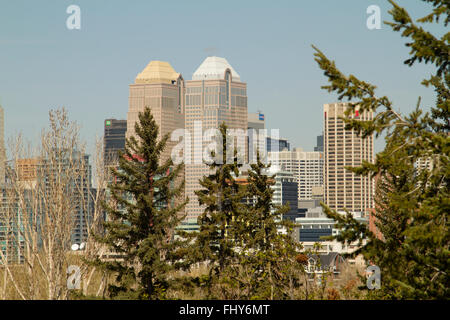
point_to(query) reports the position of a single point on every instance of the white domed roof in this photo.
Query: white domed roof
(214, 68)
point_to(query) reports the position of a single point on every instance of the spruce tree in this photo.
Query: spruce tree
(412, 204)
(216, 242)
(269, 254)
(142, 216)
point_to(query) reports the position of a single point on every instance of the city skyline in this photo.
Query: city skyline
(198, 151)
(88, 70)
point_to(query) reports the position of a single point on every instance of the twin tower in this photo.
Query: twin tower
(215, 94)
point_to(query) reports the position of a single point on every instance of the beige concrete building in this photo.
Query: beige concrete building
(161, 89)
(27, 170)
(257, 137)
(307, 167)
(215, 94)
(256, 120)
(342, 148)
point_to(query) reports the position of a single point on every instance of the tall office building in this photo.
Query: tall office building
(12, 241)
(161, 89)
(319, 146)
(344, 189)
(256, 137)
(285, 190)
(265, 141)
(215, 94)
(256, 120)
(113, 140)
(79, 188)
(307, 167)
(277, 144)
(38, 178)
(84, 209)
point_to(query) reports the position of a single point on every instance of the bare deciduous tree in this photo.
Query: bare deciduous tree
(46, 196)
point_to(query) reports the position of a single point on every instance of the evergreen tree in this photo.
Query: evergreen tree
(412, 204)
(142, 216)
(216, 242)
(269, 256)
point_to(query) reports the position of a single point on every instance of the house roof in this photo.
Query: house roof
(326, 260)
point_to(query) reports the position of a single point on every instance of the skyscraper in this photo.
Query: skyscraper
(277, 144)
(319, 146)
(344, 189)
(114, 139)
(256, 121)
(256, 137)
(161, 89)
(39, 179)
(84, 209)
(307, 167)
(215, 94)
(285, 191)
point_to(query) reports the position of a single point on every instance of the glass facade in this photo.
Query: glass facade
(114, 139)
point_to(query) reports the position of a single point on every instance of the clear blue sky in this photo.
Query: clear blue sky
(44, 65)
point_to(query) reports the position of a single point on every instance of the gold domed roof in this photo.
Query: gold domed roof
(157, 72)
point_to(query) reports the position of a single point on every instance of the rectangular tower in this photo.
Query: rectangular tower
(307, 167)
(114, 140)
(256, 121)
(344, 189)
(214, 95)
(161, 89)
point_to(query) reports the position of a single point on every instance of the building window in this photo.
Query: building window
(227, 88)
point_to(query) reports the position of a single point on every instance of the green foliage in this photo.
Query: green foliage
(268, 256)
(142, 216)
(238, 238)
(215, 242)
(412, 204)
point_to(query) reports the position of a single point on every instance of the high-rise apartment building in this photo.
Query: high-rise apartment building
(161, 89)
(215, 94)
(79, 191)
(344, 189)
(114, 140)
(307, 167)
(12, 241)
(37, 178)
(84, 209)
